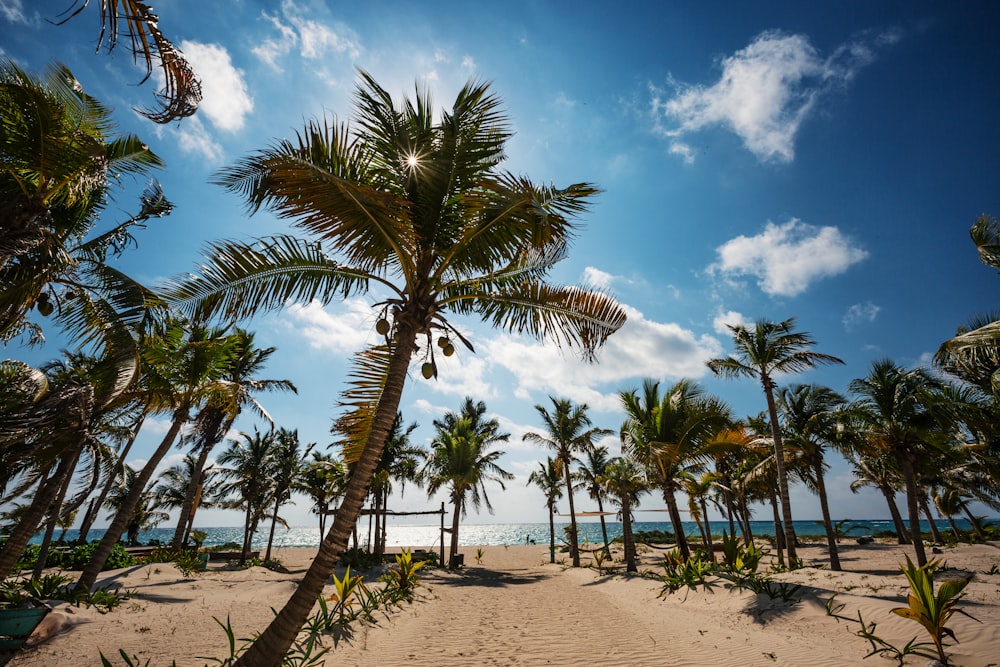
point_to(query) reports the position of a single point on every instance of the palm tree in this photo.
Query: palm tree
(891, 411)
(871, 469)
(667, 433)
(400, 461)
(58, 165)
(287, 463)
(246, 465)
(146, 514)
(625, 482)
(173, 485)
(235, 392)
(809, 422)
(591, 467)
(182, 367)
(460, 459)
(181, 91)
(770, 349)
(549, 479)
(323, 479)
(51, 422)
(412, 202)
(569, 432)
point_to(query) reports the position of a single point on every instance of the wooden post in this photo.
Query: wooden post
(442, 533)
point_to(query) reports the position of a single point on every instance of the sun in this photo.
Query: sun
(412, 161)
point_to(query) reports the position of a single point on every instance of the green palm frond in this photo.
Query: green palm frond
(240, 279)
(366, 383)
(986, 235)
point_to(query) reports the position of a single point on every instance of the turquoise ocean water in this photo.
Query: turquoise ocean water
(429, 535)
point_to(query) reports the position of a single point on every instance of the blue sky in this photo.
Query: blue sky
(819, 160)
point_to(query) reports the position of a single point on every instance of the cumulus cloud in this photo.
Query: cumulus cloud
(346, 331)
(225, 99)
(194, 137)
(764, 94)
(13, 11)
(297, 32)
(722, 321)
(787, 258)
(860, 313)
(641, 348)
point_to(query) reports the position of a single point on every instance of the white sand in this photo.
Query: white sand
(517, 609)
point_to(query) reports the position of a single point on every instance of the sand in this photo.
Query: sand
(514, 608)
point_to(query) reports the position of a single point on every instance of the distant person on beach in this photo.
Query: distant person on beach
(527, 538)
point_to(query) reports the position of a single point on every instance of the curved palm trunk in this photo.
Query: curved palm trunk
(708, 529)
(744, 519)
(730, 509)
(190, 496)
(627, 537)
(913, 507)
(675, 520)
(32, 518)
(935, 533)
(954, 528)
(114, 532)
(43, 552)
(574, 548)
(972, 520)
(779, 463)
(270, 536)
(273, 643)
(902, 534)
(94, 508)
(824, 506)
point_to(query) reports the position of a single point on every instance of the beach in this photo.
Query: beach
(513, 607)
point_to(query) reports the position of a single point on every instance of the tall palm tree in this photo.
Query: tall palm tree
(400, 461)
(667, 433)
(871, 469)
(625, 482)
(323, 479)
(548, 478)
(460, 459)
(891, 410)
(768, 350)
(810, 420)
(569, 432)
(591, 467)
(69, 409)
(246, 465)
(287, 463)
(181, 92)
(172, 487)
(182, 366)
(414, 203)
(236, 389)
(146, 514)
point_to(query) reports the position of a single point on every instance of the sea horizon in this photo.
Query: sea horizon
(498, 534)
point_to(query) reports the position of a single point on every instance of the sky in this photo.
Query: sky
(818, 160)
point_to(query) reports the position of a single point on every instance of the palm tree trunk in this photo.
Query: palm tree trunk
(453, 549)
(728, 495)
(708, 529)
(54, 508)
(975, 524)
(574, 548)
(824, 506)
(272, 644)
(95, 505)
(744, 517)
(604, 526)
(897, 519)
(779, 536)
(377, 511)
(954, 528)
(247, 520)
(270, 536)
(30, 520)
(552, 534)
(913, 506)
(114, 532)
(935, 533)
(627, 537)
(187, 508)
(779, 463)
(675, 520)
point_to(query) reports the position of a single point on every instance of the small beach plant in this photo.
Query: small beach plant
(404, 576)
(479, 556)
(929, 609)
(345, 594)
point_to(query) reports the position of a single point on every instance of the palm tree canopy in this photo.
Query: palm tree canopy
(548, 478)
(769, 349)
(460, 459)
(415, 206)
(568, 427)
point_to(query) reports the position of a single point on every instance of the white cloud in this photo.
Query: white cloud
(722, 321)
(642, 348)
(597, 278)
(787, 258)
(764, 93)
(860, 313)
(225, 99)
(193, 137)
(13, 11)
(314, 40)
(346, 331)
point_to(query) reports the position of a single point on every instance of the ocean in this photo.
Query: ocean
(494, 534)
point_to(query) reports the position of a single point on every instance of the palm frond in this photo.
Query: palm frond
(367, 378)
